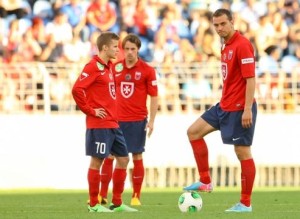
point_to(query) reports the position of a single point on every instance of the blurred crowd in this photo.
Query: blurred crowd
(172, 31)
(65, 30)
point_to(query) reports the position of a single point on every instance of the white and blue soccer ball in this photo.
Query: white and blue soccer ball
(190, 201)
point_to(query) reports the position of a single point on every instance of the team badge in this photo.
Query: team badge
(119, 67)
(230, 53)
(127, 77)
(137, 75)
(112, 89)
(224, 70)
(100, 66)
(83, 76)
(127, 89)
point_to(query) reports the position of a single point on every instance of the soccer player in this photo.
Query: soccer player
(135, 80)
(94, 93)
(234, 115)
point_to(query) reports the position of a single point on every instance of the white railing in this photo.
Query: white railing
(183, 88)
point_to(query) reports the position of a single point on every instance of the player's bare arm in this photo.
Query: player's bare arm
(153, 111)
(247, 115)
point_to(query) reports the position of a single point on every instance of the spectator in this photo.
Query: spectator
(294, 32)
(61, 32)
(144, 20)
(102, 16)
(77, 18)
(264, 34)
(268, 72)
(29, 49)
(196, 90)
(12, 42)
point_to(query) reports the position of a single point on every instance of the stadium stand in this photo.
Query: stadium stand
(39, 64)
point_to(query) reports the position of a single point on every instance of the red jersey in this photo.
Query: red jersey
(102, 13)
(132, 86)
(95, 88)
(237, 64)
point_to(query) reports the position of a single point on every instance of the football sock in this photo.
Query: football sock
(119, 176)
(247, 180)
(201, 157)
(137, 177)
(106, 174)
(93, 181)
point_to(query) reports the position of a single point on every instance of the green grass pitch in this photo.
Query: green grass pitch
(157, 204)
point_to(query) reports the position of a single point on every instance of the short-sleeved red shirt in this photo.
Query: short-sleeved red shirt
(237, 64)
(132, 87)
(95, 88)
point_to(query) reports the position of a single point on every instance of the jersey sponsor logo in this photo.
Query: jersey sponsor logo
(117, 75)
(137, 75)
(119, 67)
(83, 75)
(112, 90)
(100, 66)
(247, 60)
(127, 89)
(224, 70)
(154, 83)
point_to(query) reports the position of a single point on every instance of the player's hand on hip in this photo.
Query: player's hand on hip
(100, 112)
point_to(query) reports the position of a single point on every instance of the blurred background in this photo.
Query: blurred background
(45, 44)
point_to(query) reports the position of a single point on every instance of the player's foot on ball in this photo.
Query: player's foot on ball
(135, 201)
(122, 208)
(98, 208)
(199, 186)
(102, 201)
(239, 207)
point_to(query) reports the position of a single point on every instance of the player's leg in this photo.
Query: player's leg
(248, 171)
(135, 136)
(247, 179)
(97, 152)
(119, 150)
(196, 133)
(94, 179)
(138, 173)
(106, 175)
(242, 138)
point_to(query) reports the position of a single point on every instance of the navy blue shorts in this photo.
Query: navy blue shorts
(102, 142)
(230, 125)
(135, 135)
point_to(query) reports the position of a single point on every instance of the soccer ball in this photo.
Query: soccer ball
(190, 202)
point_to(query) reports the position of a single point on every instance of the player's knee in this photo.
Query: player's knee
(122, 162)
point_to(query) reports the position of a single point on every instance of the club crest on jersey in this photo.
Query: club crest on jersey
(224, 70)
(112, 89)
(100, 66)
(127, 89)
(127, 77)
(119, 67)
(137, 75)
(83, 76)
(230, 54)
